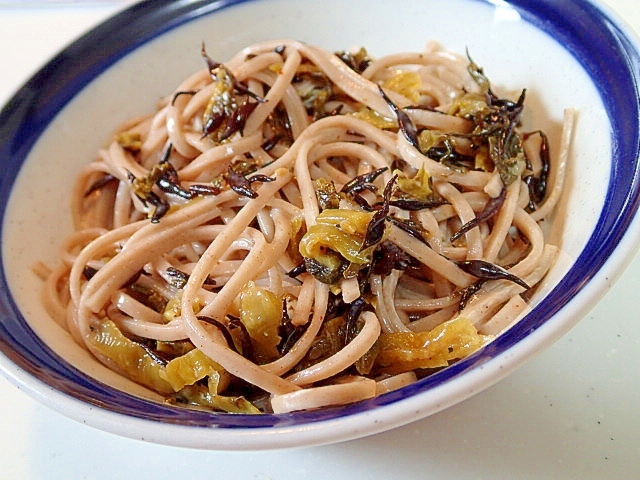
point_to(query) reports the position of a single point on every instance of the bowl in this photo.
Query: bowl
(570, 54)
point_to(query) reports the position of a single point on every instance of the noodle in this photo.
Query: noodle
(296, 228)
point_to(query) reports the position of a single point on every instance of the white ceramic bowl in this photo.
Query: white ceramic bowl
(567, 54)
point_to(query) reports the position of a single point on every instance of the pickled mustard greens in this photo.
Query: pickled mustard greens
(295, 228)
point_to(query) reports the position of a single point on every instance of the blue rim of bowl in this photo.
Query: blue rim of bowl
(599, 43)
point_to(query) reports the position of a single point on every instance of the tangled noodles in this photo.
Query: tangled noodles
(294, 228)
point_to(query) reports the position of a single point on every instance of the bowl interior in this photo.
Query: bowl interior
(58, 121)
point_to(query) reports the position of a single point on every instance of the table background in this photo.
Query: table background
(571, 412)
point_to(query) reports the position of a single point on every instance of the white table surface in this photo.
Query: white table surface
(571, 412)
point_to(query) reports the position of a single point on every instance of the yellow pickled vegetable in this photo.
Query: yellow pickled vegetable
(188, 369)
(172, 349)
(482, 160)
(350, 221)
(207, 397)
(326, 194)
(173, 309)
(407, 84)
(428, 139)
(130, 141)
(418, 186)
(261, 314)
(375, 119)
(341, 231)
(406, 351)
(468, 105)
(230, 404)
(128, 356)
(297, 232)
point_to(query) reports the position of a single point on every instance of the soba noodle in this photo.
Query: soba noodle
(294, 228)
